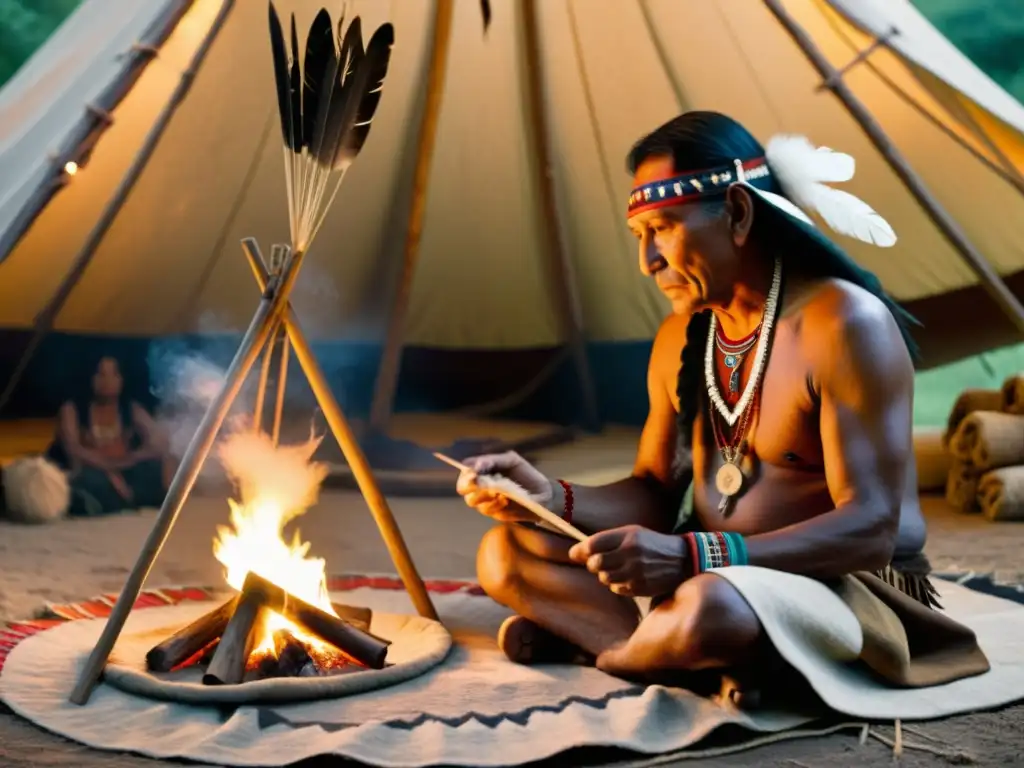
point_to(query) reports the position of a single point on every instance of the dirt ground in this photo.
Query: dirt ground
(76, 559)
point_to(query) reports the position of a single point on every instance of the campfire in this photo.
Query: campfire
(281, 622)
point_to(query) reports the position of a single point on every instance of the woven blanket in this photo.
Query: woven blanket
(474, 709)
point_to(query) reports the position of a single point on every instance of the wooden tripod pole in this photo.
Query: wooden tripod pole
(261, 388)
(945, 223)
(273, 268)
(274, 300)
(382, 515)
(282, 385)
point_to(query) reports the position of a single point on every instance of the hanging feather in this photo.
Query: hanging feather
(327, 99)
(351, 48)
(801, 168)
(367, 87)
(319, 69)
(341, 112)
(295, 77)
(330, 92)
(282, 80)
(485, 9)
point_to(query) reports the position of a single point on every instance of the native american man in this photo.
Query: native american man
(782, 389)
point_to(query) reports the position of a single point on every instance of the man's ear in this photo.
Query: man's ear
(739, 205)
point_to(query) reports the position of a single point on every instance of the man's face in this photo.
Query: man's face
(686, 248)
(106, 382)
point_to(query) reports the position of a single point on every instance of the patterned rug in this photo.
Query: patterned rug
(476, 709)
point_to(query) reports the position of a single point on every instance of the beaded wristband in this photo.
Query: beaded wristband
(715, 550)
(567, 507)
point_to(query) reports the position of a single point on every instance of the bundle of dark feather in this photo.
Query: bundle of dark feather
(327, 104)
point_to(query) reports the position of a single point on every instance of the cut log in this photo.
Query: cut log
(227, 667)
(358, 617)
(355, 644)
(187, 642)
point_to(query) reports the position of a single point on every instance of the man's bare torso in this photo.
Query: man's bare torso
(785, 466)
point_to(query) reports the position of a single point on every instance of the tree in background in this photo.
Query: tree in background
(989, 32)
(24, 26)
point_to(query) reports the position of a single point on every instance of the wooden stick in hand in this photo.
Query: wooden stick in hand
(530, 505)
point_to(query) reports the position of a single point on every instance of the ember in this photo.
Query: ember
(294, 658)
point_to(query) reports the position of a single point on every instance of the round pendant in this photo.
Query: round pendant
(730, 361)
(729, 479)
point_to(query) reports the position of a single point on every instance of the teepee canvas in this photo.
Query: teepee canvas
(484, 313)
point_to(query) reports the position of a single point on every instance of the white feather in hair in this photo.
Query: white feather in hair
(802, 170)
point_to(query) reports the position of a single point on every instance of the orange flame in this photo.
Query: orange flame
(277, 484)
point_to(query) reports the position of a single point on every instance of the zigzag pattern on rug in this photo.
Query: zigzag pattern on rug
(267, 718)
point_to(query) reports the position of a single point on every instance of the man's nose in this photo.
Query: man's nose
(651, 261)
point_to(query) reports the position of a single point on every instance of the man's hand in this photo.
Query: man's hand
(634, 561)
(493, 504)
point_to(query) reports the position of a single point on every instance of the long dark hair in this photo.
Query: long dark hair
(84, 398)
(705, 140)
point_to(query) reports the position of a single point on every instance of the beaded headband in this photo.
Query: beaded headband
(692, 185)
(801, 171)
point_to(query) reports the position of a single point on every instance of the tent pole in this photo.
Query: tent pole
(391, 358)
(987, 276)
(93, 123)
(568, 299)
(46, 318)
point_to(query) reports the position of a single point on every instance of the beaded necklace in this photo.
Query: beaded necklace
(733, 353)
(729, 478)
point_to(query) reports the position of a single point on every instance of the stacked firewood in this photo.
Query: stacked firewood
(985, 438)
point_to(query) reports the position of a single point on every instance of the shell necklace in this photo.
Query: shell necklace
(729, 479)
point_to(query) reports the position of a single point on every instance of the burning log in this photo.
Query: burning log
(224, 639)
(354, 615)
(360, 646)
(290, 657)
(189, 641)
(227, 667)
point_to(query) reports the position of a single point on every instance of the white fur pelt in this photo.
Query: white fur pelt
(35, 490)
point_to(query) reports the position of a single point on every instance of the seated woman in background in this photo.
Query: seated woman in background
(111, 447)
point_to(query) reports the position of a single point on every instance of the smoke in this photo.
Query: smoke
(280, 476)
(276, 483)
(316, 299)
(186, 384)
(186, 376)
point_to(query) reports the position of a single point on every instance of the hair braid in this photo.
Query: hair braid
(690, 375)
